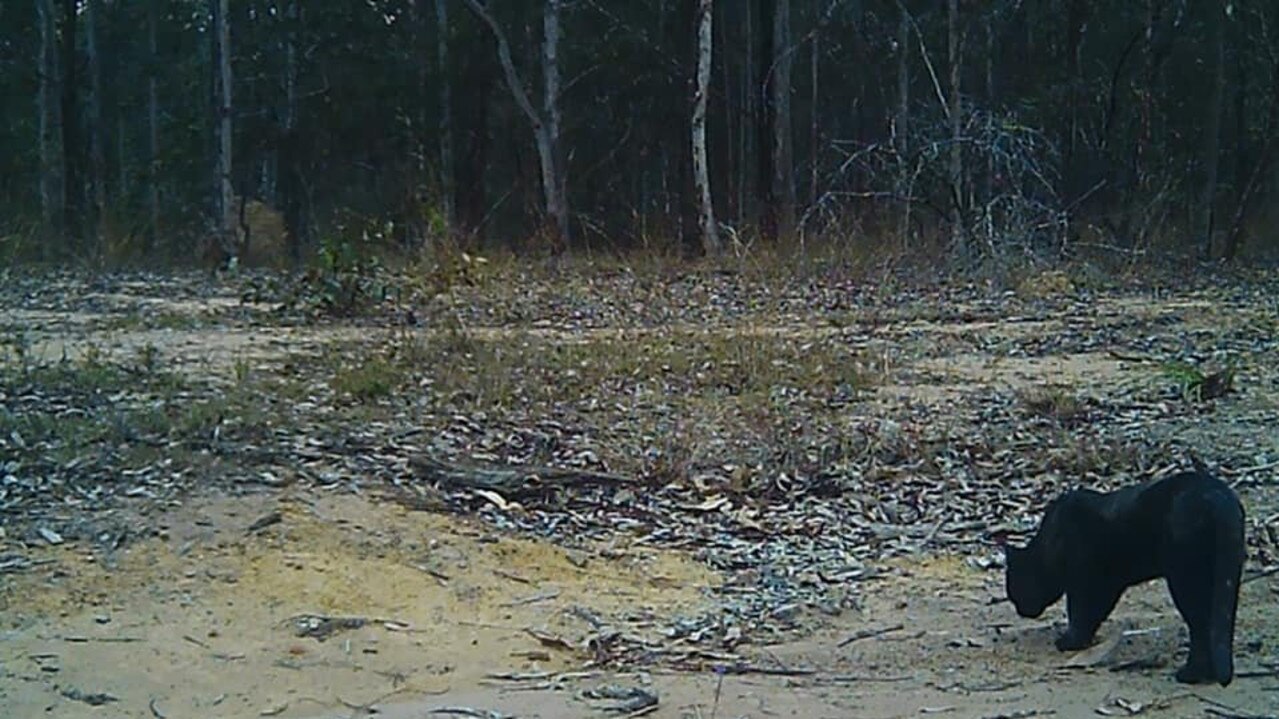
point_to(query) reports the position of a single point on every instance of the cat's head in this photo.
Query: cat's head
(1030, 586)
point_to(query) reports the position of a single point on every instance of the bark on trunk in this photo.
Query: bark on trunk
(902, 129)
(291, 180)
(556, 200)
(701, 175)
(783, 179)
(153, 129)
(96, 131)
(447, 182)
(73, 198)
(555, 205)
(762, 40)
(813, 60)
(1212, 131)
(749, 126)
(955, 110)
(223, 196)
(49, 118)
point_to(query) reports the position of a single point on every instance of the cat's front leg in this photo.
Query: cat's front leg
(1086, 608)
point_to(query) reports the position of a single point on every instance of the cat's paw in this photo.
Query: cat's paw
(1199, 672)
(1071, 642)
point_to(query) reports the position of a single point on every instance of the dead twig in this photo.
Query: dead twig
(263, 522)
(868, 633)
(769, 671)
(469, 712)
(532, 599)
(1260, 575)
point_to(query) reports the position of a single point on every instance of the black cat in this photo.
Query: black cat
(1091, 546)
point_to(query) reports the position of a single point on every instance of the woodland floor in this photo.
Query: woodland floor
(724, 494)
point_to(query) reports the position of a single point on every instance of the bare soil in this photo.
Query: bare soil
(204, 613)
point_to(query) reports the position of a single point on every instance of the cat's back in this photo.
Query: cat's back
(1190, 493)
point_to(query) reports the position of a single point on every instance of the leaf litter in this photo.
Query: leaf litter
(710, 413)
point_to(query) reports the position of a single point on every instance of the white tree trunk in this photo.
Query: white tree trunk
(701, 174)
(49, 117)
(446, 114)
(556, 201)
(783, 179)
(224, 200)
(556, 206)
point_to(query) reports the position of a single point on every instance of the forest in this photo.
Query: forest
(169, 129)
(679, 359)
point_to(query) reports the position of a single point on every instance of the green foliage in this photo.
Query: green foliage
(373, 379)
(1195, 385)
(345, 281)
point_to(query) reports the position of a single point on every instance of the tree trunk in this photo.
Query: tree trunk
(701, 175)
(902, 129)
(814, 114)
(153, 129)
(1261, 167)
(783, 180)
(556, 199)
(73, 197)
(1212, 130)
(749, 125)
(1076, 22)
(988, 177)
(223, 194)
(955, 112)
(447, 182)
(555, 205)
(291, 179)
(49, 118)
(96, 131)
(762, 40)
(1135, 227)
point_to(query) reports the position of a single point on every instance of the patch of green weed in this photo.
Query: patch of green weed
(373, 379)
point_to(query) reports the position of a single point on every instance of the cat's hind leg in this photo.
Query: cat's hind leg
(1192, 593)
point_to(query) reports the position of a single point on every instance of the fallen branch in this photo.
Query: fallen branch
(868, 633)
(1260, 575)
(770, 671)
(1250, 470)
(532, 599)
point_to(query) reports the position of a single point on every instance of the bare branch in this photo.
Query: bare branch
(508, 65)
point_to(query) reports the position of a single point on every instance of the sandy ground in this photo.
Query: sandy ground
(199, 621)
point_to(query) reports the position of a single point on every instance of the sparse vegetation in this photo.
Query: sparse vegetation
(1054, 402)
(370, 379)
(708, 410)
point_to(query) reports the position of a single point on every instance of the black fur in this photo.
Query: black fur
(1091, 546)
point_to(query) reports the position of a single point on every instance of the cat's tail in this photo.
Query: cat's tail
(1227, 568)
